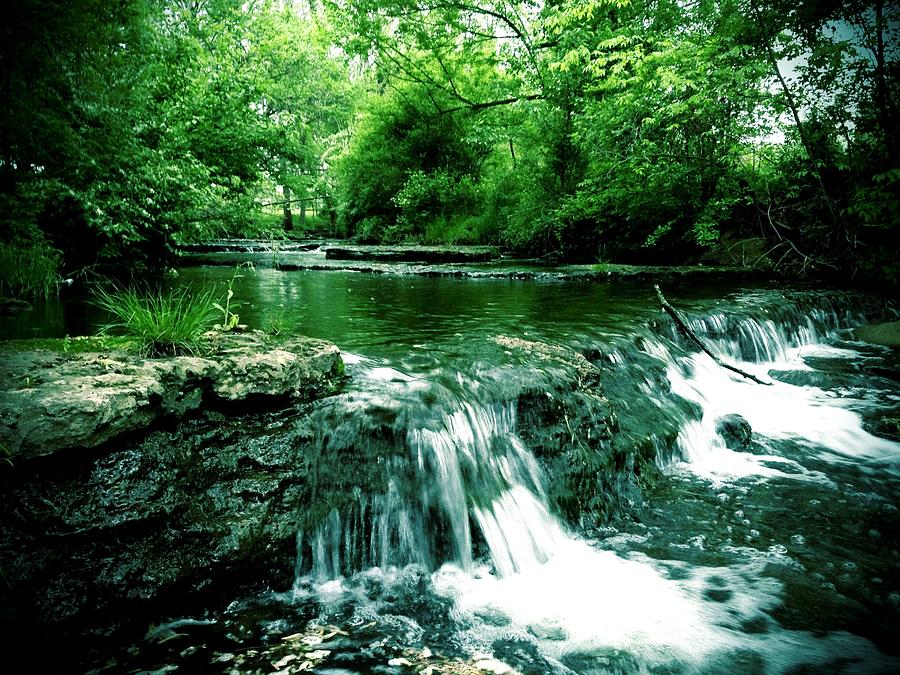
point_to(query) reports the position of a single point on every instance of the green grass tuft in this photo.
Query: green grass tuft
(28, 271)
(158, 323)
(280, 322)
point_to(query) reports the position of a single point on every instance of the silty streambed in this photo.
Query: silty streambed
(445, 528)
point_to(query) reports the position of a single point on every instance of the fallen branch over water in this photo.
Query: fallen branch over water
(689, 333)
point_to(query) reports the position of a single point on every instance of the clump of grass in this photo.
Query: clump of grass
(28, 271)
(158, 323)
(279, 322)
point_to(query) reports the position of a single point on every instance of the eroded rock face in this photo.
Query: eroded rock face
(51, 401)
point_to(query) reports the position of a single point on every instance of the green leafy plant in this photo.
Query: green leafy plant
(230, 320)
(279, 321)
(158, 323)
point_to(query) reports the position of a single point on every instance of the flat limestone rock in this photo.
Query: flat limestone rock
(422, 254)
(51, 401)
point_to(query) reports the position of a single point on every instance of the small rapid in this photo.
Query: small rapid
(515, 573)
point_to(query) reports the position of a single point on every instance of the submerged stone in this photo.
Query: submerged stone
(735, 431)
(11, 306)
(548, 630)
(422, 254)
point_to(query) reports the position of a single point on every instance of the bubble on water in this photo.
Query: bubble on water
(849, 565)
(778, 548)
(877, 580)
(814, 503)
(698, 542)
(874, 534)
(722, 497)
(739, 514)
(893, 599)
(798, 540)
(754, 533)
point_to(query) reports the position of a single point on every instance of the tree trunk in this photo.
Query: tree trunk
(885, 105)
(302, 213)
(288, 221)
(795, 113)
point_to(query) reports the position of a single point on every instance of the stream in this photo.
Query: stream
(732, 526)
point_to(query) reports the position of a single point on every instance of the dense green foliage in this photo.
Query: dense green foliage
(749, 131)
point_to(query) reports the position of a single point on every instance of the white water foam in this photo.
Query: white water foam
(809, 416)
(585, 601)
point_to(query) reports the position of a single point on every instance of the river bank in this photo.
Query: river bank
(540, 474)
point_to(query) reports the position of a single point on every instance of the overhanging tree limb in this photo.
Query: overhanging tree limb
(683, 327)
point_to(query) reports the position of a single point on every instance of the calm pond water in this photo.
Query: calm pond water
(777, 556)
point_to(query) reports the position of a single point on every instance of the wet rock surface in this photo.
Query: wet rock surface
(572, 424)
(735, 431)
(474, 262)
(97, 539)
(50, 401)
(100, 540)
(249, 246)
(885, 334)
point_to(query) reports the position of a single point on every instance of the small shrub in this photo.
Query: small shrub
(158, 323)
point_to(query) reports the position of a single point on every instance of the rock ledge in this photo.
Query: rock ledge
(50, 401)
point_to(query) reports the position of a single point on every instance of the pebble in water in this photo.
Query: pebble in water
(798, 540)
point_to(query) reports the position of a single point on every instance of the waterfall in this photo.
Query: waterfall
(462, 478)
(464, 505)
(467, 465)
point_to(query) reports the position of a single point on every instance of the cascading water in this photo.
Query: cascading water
(476, 481)
(469, 506)
(812, 416)
(469, 463)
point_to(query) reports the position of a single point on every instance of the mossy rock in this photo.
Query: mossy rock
(885, 334)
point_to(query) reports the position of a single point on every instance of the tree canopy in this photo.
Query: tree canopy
(749, 131)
